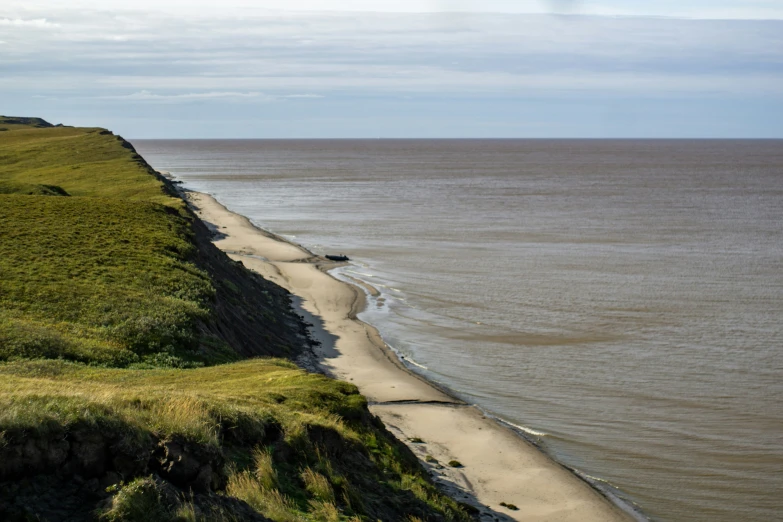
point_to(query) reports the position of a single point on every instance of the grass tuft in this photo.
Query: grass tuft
(268, 502)
(318, 486)
(264, 471)
(324, 511)
(144, 499)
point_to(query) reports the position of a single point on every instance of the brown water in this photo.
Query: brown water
(620, 300)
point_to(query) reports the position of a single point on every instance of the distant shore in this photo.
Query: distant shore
(492, 469)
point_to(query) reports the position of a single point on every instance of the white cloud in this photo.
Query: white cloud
(447, 83)
(156, 57)
(704, 9)
(261, 58)
(146, 95)
(191, 96)
(18, 22)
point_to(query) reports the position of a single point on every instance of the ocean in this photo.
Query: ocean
(621, 301)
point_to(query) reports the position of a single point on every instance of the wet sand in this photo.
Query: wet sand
(497, 465)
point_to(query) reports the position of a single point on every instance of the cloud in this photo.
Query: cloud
(145, 95)
(18, 22)
(130, 58)
(700, 9)
(261, 58)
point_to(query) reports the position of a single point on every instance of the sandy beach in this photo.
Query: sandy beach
(497, 466)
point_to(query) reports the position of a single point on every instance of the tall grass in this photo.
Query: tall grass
(269, 502)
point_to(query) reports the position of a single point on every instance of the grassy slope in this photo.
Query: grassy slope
(298, 446)
(96, 280)
(113, 275)
(102, 275)
(85, 162)
(110, 269)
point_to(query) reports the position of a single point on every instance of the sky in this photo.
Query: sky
(397, 69)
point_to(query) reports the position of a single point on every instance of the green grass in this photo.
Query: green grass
(30, 189)
(194, 404)
(322, 457)
(84, 162)
(142, 499)
(96, 280)
(103, 274)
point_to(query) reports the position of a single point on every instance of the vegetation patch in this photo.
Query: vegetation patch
(156, 435)
(117, 271)
(31, 189)
(110, 293)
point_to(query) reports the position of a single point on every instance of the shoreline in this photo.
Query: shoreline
(499, 464)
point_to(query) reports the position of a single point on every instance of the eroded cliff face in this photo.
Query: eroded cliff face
(302, 447)
(74, 473)
(250, 314)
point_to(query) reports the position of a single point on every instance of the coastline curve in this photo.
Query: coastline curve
(497, 466)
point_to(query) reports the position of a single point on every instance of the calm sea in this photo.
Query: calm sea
(621, 300)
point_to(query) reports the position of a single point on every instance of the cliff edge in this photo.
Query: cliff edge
(144, 374)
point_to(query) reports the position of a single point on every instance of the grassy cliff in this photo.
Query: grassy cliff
(103, 264)
(129, 383)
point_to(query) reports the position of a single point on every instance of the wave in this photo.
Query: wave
(529, 431)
